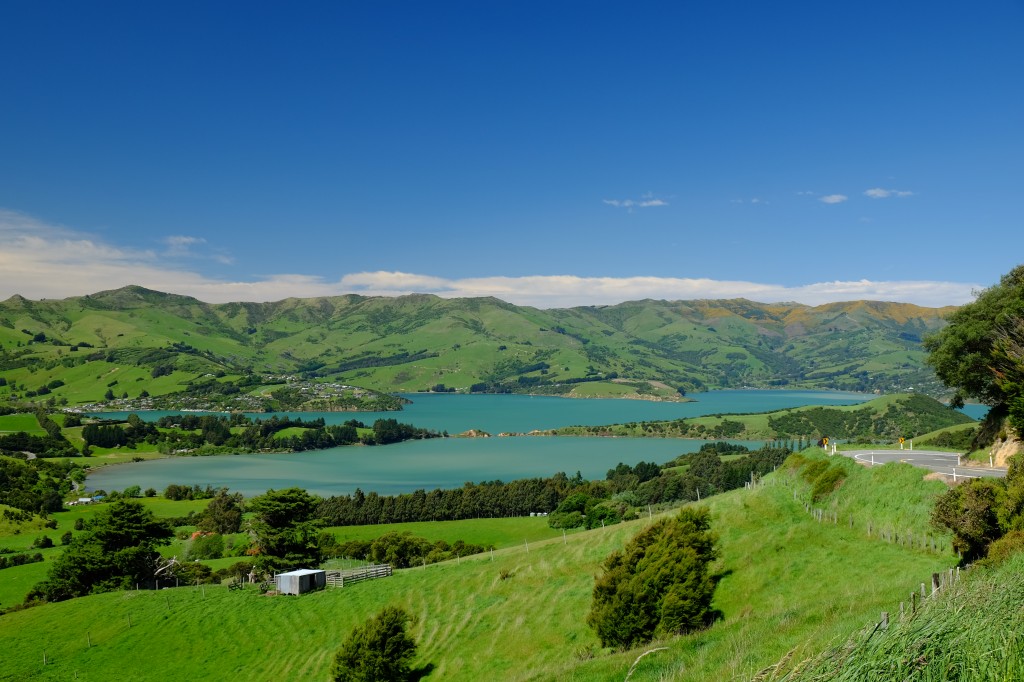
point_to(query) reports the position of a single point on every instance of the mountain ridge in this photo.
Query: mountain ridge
(423, 341)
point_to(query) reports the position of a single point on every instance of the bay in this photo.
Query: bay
(400, 468)
(450, 462)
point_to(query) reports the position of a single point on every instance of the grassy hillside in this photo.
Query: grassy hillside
(970, 631)
(134, 340)
(884, 418)
(786, 581)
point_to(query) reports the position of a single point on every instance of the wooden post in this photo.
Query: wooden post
(902, 613)
(129, 621)
(923, 593)
(885, 620)
(913, 602)
(935, 583)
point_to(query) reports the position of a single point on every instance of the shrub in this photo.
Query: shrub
(1005, 547)
(658, 585)
(378, 651)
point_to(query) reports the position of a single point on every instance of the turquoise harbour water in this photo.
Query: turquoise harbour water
(450, 462)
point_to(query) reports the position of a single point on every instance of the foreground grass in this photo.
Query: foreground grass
(787, 581)
(970, 632)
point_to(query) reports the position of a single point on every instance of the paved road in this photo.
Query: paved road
(941, 462)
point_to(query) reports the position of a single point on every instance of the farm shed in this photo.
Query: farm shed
(299, 581)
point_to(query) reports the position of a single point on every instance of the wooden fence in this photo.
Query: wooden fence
(354, 575)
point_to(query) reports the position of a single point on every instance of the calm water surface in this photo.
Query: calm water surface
(451, 462)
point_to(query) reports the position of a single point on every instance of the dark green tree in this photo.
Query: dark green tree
(284, 527)
(963, 353)
(378, 651)
(117, 551)
(223, 515)
(658, 585)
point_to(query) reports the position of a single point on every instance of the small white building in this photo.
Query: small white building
(300, 580)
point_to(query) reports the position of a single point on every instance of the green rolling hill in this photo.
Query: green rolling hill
(133, 339)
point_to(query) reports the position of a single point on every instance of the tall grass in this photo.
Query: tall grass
(973, 631)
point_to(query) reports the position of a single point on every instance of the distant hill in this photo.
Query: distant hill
(144, 340)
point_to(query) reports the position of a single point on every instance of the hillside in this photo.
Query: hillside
(136, 342)
(787, 581)
(885, 418)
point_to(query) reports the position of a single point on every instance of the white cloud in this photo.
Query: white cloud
(880, 193)
(834, 198)
(647, 200)
(35, 260)
(556, 291)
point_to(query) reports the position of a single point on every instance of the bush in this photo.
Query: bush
(205, 547)
(378, 651)
(1005, 547)
(658, 585)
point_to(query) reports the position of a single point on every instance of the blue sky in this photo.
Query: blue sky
(548, 153)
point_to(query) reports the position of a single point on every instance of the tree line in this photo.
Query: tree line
(238, 433)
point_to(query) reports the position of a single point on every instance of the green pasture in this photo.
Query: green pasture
(21, 422)
(509, 532)
(787, 582)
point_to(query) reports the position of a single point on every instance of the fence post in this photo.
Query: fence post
(935, 583)
(885, 620)
(913, 602)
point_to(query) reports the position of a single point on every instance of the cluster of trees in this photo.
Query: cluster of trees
(17, 444)
(19, 560)
(687, 478)
(117, 550)
(53, 444)
(980, 355)
(37, 486)
(210, 432)
(489, 499)
(403, 550)
(570, 502)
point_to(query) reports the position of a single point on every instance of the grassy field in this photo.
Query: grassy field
(21, 422)
(511, 532)
(787, 582)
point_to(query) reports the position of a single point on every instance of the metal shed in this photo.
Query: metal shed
(299, 581)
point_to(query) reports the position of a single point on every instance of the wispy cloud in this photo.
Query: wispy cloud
(834, 198)
(647, 200)
(36, 257)
(181, 245)
(880, 193)
(184, 246)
